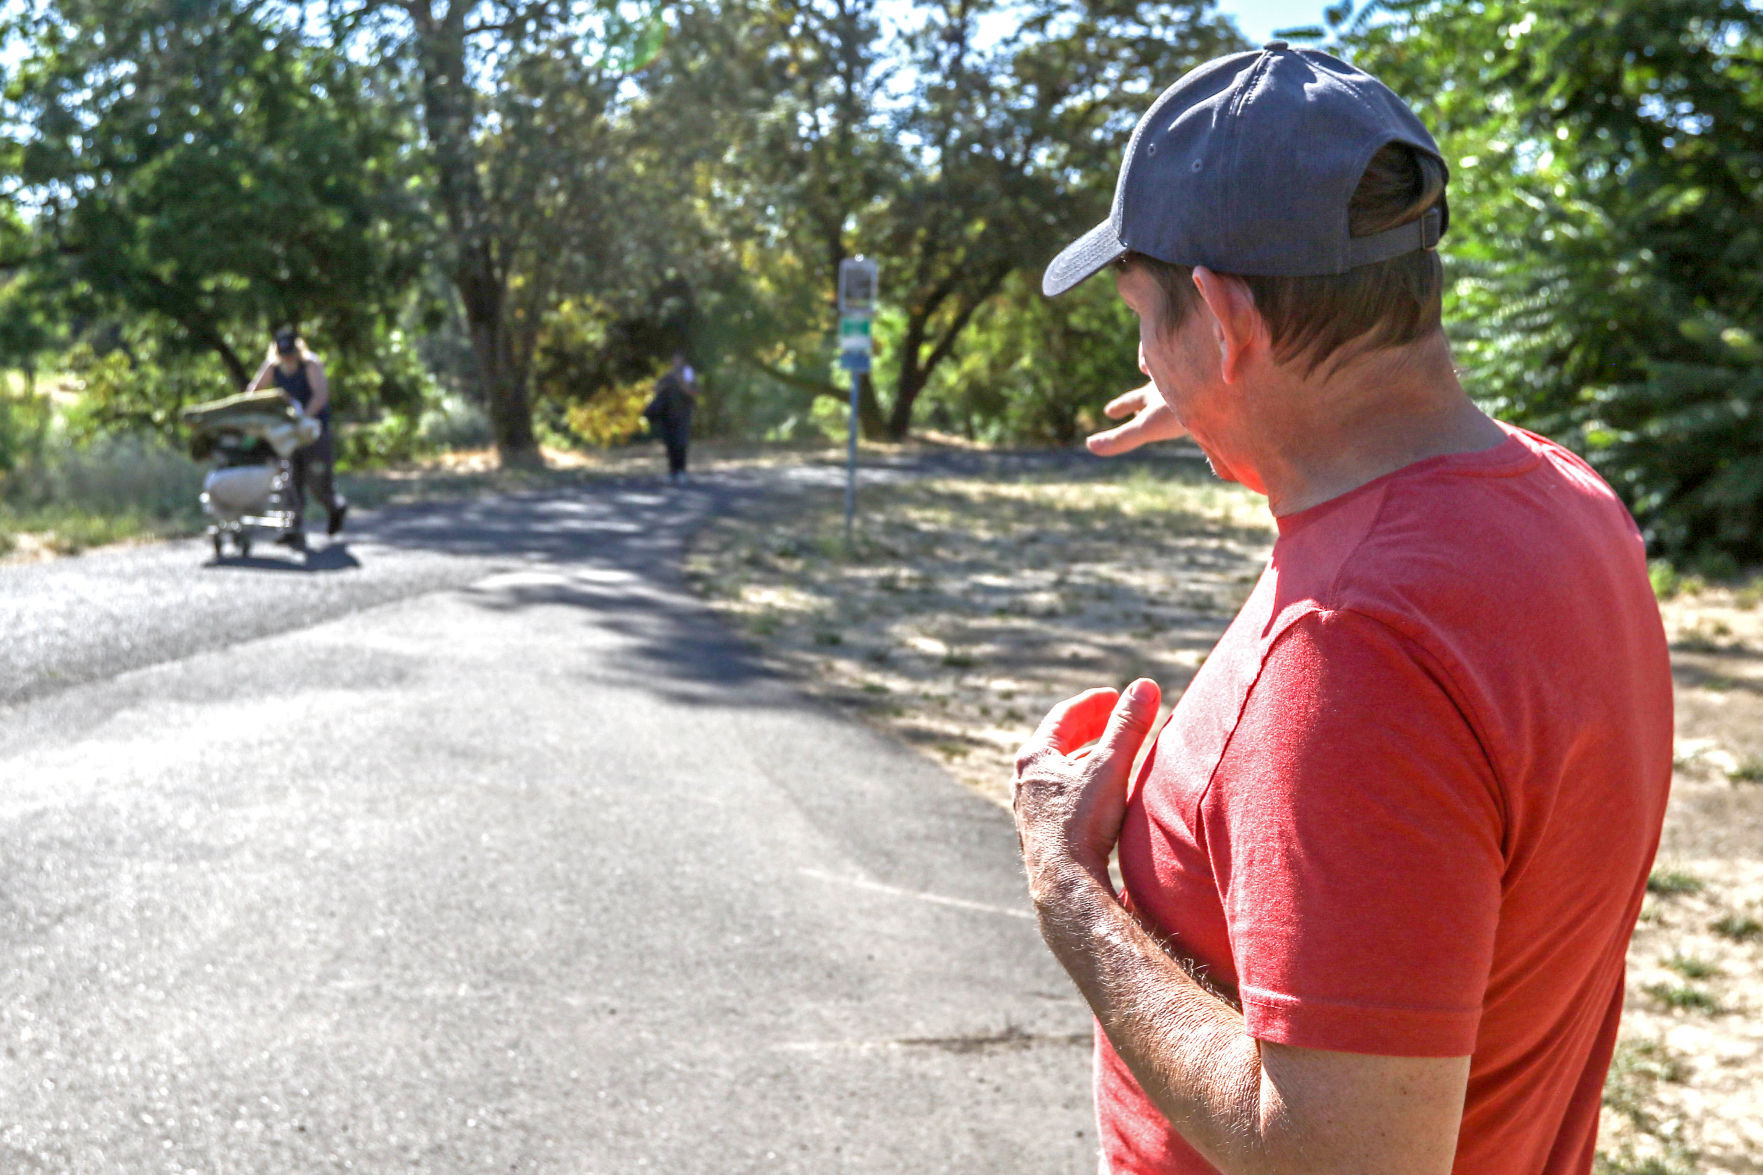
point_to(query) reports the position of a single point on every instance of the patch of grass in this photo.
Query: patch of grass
(1626, 1162)
(1682, 997)
(68, 530)
(1691, 967)
(119, 488)
(955, 659)
(1697, 641)
(828, 638)
(1631, 1091)
(1738, 927)
(1668, 883)
(1748, 770)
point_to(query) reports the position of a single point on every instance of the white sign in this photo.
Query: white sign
(857, 287)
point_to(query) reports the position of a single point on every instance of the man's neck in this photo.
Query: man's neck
(1321, 438)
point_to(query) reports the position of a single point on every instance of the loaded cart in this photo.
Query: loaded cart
(249, 439)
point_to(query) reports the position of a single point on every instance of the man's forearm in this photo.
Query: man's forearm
(1251, 1107)
(1186, 1047)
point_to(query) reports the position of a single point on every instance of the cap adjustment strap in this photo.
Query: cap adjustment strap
(1422, 233)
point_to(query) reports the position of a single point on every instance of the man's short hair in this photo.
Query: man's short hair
(1384, 304)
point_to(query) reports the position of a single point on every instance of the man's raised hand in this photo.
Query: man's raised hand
(1151, 421)
(1070, 797)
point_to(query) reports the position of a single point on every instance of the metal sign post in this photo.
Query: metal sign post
(857, 289)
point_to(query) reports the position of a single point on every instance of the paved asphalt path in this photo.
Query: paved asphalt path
(476, 845)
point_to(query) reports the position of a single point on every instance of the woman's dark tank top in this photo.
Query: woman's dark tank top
(298, 388)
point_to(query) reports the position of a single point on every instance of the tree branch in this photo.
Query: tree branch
(789, 378)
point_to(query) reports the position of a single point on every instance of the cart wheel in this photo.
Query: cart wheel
(244, 546)
(219, 547)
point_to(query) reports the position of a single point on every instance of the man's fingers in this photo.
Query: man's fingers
(1131, 720)
(1129, 402)
(1115, 441)
(1151, 421)
(1071, 724)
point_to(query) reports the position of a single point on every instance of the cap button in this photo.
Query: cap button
(1276, 46)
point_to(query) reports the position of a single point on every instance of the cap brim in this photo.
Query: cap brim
(1091, 252)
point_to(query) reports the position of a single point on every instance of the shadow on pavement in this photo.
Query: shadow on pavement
(672, 647)
(334, 557)
(636, 525)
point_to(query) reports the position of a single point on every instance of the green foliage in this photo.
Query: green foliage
(25, 420)
(209, 172)
(960, 150)
(533, 215)
(139, 386)
(1038, 371)
(1664, 578)
(1607, 200)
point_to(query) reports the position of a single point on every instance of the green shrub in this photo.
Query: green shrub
(454, 422)
(25, 421)
(1666, 581)
(392, 440)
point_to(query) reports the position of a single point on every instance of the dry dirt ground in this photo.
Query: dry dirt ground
(965, 606)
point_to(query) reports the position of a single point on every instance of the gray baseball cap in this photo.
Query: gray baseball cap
(1246, 166)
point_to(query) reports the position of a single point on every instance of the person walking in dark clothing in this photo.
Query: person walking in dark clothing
(299, 375)
(670, 413)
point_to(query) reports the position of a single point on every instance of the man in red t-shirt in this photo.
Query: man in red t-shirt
(1382, 864)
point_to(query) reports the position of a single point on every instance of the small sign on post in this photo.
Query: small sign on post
(855, 344)
(857, 294)
(857, 286)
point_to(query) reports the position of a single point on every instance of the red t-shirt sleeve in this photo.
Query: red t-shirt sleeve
(1355, 827)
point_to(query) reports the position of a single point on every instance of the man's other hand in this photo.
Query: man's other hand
(1151, 421)
(1070, 797)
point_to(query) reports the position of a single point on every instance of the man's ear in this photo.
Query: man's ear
(1237, 326)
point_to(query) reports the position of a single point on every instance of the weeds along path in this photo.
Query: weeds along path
(972, 598)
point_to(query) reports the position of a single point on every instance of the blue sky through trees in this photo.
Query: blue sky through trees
(1259, 18)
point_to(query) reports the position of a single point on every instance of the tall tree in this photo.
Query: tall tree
(196, 164)
(478, 66)
(1016, 143)
(960, 148)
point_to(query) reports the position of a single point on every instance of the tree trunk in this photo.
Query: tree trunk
(448, 119)
(915, 365)
(870, 421)
(906, 389)
(503, 383)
